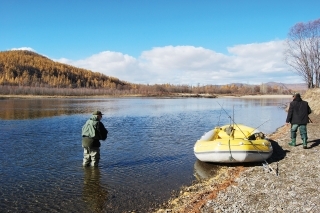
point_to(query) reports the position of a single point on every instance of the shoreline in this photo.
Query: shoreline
(291, 176)
(154, 96)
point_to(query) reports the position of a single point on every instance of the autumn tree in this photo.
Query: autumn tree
(302, 51)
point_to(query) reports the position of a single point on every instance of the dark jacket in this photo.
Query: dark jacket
(298, 112)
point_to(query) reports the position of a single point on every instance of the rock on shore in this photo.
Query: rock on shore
(289, 182)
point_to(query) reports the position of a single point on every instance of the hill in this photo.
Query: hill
(26, 68)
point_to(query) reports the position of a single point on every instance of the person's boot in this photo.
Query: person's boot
(293, 142)
(304, 142)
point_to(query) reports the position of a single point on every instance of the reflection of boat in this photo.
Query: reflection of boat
(232, 144)
(203, 170)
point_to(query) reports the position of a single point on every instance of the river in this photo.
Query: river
(147, 155)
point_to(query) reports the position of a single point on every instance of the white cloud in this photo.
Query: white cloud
(113, 64)
(24, 48)
(249, 63)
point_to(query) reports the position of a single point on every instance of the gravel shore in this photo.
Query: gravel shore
(289, 182)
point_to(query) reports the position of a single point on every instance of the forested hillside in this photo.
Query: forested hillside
(26, 68)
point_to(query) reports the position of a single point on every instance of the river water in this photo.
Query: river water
(147, 155)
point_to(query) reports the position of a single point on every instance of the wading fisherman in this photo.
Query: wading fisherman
(93, 131)
(298, 118)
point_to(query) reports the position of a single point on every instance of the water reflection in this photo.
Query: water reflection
(35, 108)
(94, 194)
(12, 109)
(203, 170)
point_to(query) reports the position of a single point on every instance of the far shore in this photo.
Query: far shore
(178, 95)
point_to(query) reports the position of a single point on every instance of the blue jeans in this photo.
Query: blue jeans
(302, 130)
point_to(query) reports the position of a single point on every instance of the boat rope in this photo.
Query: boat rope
(231, 133)
(230, 156)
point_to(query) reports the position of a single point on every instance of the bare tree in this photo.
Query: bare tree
(303, 51)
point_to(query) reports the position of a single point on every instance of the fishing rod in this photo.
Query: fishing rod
(230, 157)
(310, 121)
(232, 120)
(289, 90)
(259, 126)
(219, 118)
(265, 165)
(236, 123)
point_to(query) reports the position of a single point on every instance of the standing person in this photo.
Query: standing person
(298, 118)
(93, 131)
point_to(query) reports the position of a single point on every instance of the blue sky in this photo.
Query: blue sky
(161, 41)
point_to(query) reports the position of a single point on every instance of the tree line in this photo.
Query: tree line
(26, 68)
(28, 73)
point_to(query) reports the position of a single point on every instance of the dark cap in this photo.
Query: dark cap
(296, 95)
(97, 113)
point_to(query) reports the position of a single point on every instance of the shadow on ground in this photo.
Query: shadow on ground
(315, 143)
(278, 153)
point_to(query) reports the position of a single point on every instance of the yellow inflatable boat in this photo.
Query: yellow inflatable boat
(233, 144)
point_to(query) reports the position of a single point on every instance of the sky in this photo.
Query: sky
(180, 42)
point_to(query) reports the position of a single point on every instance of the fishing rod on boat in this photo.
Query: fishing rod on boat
(230, 157)
(259, 126)
(265, 165)
(219, 118)
(231, 119)
(238, 126)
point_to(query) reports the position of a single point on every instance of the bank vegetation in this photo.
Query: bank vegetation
(28, 73)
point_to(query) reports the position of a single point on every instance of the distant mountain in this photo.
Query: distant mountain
(293, 87)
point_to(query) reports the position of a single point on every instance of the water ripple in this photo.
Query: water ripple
(148, 153)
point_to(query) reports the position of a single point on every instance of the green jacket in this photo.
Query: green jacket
(93, 131)
(88, 128)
